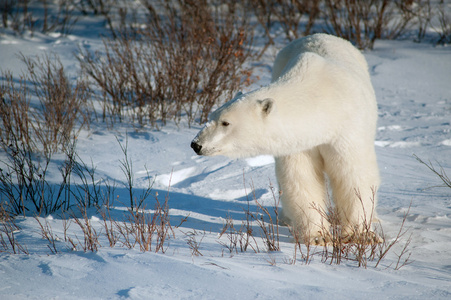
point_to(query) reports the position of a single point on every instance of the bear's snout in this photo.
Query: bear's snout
(196, 147)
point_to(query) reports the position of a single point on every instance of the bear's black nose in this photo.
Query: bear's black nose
(196, 147)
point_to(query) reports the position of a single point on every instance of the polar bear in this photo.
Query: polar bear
(318, 118)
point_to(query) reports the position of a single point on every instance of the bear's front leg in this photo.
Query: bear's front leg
(302, 183)
(354, 178)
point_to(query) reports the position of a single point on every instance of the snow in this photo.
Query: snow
(412, 83)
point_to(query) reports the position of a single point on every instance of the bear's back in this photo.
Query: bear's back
(331, 48)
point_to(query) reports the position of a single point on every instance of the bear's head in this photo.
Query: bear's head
(236, 129)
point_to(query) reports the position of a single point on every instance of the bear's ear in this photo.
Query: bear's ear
(267, 105)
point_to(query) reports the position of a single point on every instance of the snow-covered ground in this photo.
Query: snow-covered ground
(413, 87)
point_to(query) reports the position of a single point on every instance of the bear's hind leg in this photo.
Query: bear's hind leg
(302, 183)
(354, 179)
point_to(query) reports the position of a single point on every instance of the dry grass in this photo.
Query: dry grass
(367, 246)
(151, 230)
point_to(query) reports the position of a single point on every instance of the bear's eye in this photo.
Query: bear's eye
(225, 123)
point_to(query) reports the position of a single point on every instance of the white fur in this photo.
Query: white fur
(317, 117)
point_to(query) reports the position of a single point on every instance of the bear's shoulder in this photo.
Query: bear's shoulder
(319, 48)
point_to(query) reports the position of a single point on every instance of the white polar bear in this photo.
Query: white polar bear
(317, 117)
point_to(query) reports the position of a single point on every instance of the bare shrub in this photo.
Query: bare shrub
(43, 15)
(269, 228)
(7, 8)
(88, 191)
(5, 214)
(151, 230)
(271, 260)
(305, 248)
(110, 231)
(90, 241)
(17, 15)
(385, 246)
(266, 223)
(22, 178)
(99, 7)
(63, 107)
(312, 10)
(444, 28)
(24, 185)
(424, 15)
(186, 59)
(61, 18)
(239, 238)
(30, 133)
(358, 245)
(193, 243)
(233, 236)
(8, 230)
(8, 241)
(95, 7)
(358, 21)
(367, 243)
(127, 170)
(47, 234)
(109, 224)
(401, 16)
(263, 12)
(15, 119)
(61, 113)
(289, 14)
(362, 22)
(440, 172)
